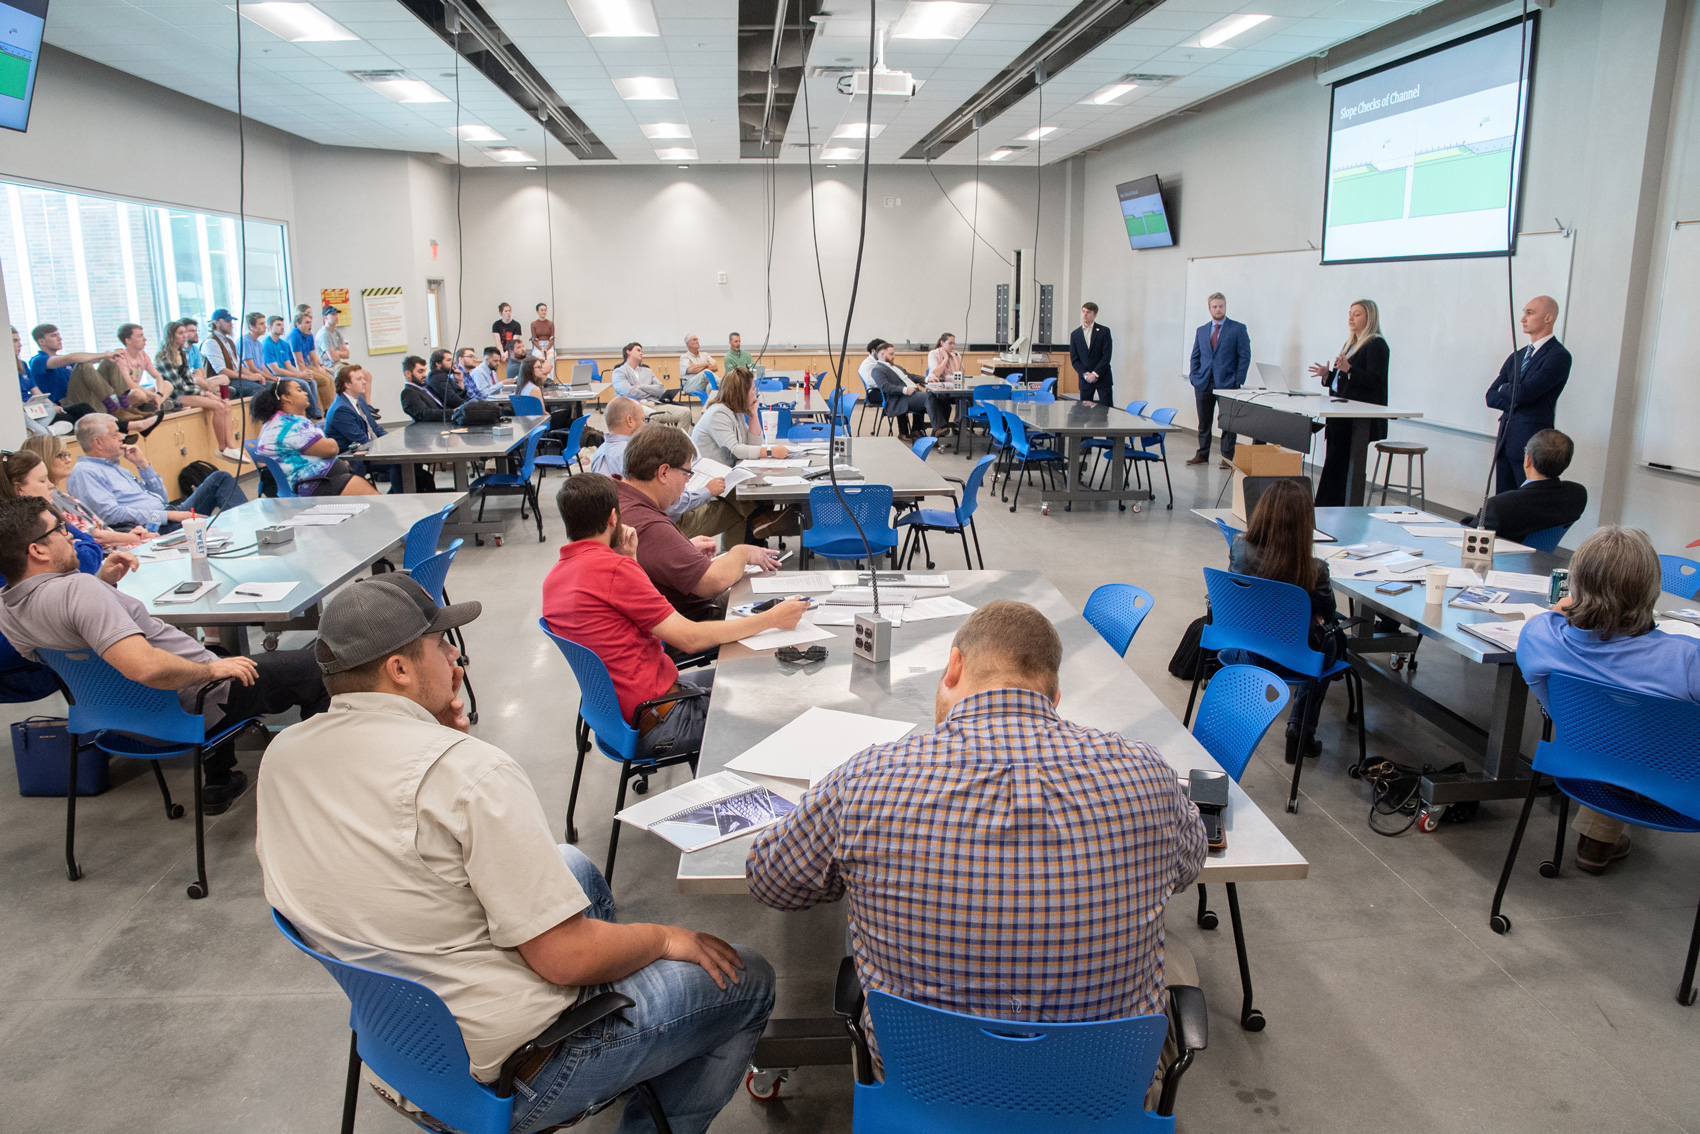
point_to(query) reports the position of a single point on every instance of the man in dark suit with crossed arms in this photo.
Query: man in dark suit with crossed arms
(1540, 371)
(1089, 351)
(1221, 355)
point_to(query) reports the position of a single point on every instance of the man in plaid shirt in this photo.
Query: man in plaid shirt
(1009, 863)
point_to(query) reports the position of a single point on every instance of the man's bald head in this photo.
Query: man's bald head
(1539, 315)
(623, 416)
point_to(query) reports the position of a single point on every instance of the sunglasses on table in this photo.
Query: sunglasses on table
(792, 655)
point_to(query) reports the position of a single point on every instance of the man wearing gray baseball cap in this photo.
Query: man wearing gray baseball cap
(391, 838)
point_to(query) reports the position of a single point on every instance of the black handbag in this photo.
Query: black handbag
(1188, 657)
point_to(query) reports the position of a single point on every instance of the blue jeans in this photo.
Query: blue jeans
(245, 387)
(219, 490)
(688, 1036)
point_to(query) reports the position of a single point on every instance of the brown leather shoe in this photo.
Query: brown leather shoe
(1594, 856)
(1198, 460)
(1225, 465)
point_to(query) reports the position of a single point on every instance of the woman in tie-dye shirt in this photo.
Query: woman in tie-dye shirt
(300, 446)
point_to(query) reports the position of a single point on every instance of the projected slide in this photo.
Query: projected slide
(1143, 214)
(1423, 155)
(21, 24)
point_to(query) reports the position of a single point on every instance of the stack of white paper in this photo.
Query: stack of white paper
(1519, 581)
(707, 811)
(773, 639)
(940, 606)
(786, 481)
(776, 463)
(815, 743)
(1501, 634)
(790, 582)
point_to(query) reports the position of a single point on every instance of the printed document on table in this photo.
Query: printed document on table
(790, 582)
(1518, 581)
(315, 519)
(773, 639)
(257, 592)
(341, 506)
(785, 481)
(846, 615)
(1678, 626)
(1409, 516)
(701, 475)
(939, 606)
(1431, 531)
(1500, 546)
(776, 463)
(815, 743)
(708, 811)
(1501, 634)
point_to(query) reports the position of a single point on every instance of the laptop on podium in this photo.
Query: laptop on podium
(1272, 378)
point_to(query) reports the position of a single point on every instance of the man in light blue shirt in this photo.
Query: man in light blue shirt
(252, 357)
(621, 420)
(632, 379)
(121, 502)
(1604, 631)
(484, 381)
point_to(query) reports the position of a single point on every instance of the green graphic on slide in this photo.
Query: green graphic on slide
(1458, 180)
(1146, 224)
(1363, 193)
(14, 75)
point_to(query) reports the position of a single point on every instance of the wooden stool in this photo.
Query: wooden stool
(1410, 450)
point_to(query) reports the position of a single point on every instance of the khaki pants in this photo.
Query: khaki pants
(1591, 824)
(668, 414)
(327, 386)
(717, 516)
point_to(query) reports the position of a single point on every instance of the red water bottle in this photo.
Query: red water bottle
(808, 389)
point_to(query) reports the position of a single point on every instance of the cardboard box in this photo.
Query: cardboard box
(1262, 460)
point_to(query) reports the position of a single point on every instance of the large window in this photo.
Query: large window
(88, 264)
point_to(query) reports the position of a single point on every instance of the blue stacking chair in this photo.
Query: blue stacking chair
(595, 370)
(1152, 447)
(527, 405)
(1103, 446)
(808, 431)
(997, 435)
(423, 537)
(831, 532)
(1679, 576)
(1115, 610)
(874, 397)
(1030, 453)
(409, 1036)
(1272, 620)
(570, 446)
(281, 488)
(1049, 388)
(1238, 708)
(769, 384)
(952, 1073)
(1228, 531)
(700, 397)
(1546, 539)
(843, 403)
(975, 411)
(959, 520)
(126, 718)
(599, 713)
(516, 483)
(1628, 755)
(924, 446)
(432, 573)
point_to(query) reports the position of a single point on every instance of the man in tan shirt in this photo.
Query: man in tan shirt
(393, 839)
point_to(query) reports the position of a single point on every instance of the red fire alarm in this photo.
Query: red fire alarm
(433, 249)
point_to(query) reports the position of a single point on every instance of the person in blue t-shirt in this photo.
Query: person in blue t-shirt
(50, 371)
(278, 354)
(1604, 631)
(307, 359)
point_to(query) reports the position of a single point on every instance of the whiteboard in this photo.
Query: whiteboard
(1447, 322)
(1672, 414)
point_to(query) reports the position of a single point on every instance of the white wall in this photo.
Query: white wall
(1246, 175)
(638, 252)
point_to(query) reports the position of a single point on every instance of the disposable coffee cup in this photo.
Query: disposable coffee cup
(769, 425)
(195, 537)
(1434, 585)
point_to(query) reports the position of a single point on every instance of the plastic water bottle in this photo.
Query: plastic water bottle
(808, 388)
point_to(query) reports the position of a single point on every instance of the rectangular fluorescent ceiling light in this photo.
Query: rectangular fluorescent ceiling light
(858, 130)
(295, 22)
(1106, 95)
(615, 17)
(1038, 132)
(1003, 152)
(840, 153)
(510, 154)
(641, 88)
(678, 153)
(657, 130)
(1223, 30)
(475, 133)
(937, 19)
(405, 90)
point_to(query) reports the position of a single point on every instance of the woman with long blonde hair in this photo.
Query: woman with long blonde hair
(1357, 374)
(59, 459)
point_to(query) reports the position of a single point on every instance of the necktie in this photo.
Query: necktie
(1215, 333)
(1528, 353)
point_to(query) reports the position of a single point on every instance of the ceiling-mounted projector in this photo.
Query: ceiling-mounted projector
(898, 83)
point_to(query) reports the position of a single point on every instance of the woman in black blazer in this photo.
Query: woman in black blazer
(1358, 373)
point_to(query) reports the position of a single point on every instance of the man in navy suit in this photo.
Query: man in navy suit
(1221, 354)
(1089, 351)
(1540, 371)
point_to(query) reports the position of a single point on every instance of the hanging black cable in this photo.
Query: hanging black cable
(242, 237)
(972, 224)
(1032, 325)
(460, 238)
(770, 214)
(973, 235)
(814, 225)
(549, 226)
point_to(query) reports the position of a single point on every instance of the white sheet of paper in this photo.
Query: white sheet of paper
(1518, 581)
(1523, 610)
(1502, 634)
(1500, 546)
(815, 743)
(776, 463)
(1431, 531)
(846, 615)
(912, 580)
(864, 596)
(790, 583)
(310, 520)
(352, 506)
(1678, 626)
(257, 592)
(939, 606)
(158, 555)
(805, 633)
(786, 481)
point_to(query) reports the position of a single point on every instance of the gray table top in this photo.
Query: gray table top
(1443, 622)
(445, 441)
(1086, 419)
(754, 698)
(882, 460)
(1317, 407)
(767, 399)
(563, 393)
(319, 560)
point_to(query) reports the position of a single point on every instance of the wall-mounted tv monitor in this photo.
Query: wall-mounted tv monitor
(1425, 154)
(1143, 213)
(21, 25)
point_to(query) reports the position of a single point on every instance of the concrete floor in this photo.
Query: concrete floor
(1391, 1005)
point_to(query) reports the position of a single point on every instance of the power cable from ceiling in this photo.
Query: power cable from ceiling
(548, 221)
(814, 224)
(972, 224)
(242, 235)
(460, 235)
(770, 215)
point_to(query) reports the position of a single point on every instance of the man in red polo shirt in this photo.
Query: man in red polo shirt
(599, 596)
(686, 571)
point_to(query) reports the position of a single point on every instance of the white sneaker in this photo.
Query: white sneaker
(231, 454)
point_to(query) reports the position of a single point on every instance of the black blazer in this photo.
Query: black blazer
(442, 385)
(1537, 390)
(1367, 379)
(890, 379)
(1093, 357)
(421, 404)
(1539, 504)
